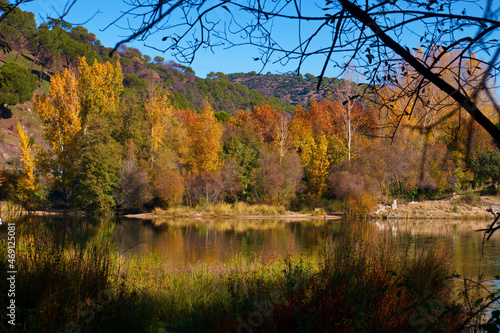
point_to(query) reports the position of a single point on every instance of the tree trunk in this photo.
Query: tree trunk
(349, 132)
(32, 64)
(41, 74)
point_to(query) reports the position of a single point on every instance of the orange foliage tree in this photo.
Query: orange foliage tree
(266, 120)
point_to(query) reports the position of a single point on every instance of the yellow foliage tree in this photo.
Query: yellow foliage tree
(205, 141)
(28, 181)
(60, 112)
(158, 114)
(99, 86)
(317, 149)
(66, 109)
(314, 153)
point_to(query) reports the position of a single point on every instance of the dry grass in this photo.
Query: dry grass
(222, 209)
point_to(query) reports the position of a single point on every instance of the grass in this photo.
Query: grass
(222, 209)
(359, 284)
(356, 286)
(10, 208)
(53, 277)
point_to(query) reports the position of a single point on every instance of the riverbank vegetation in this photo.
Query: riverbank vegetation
(129, 133)
(223, 209)
(359, 283)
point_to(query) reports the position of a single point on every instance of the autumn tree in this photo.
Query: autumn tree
(158, 114)
(314, 153)
(26, 186)
(60, 112)
(279, 178)
(204, 140)
(169, 188)
(266, 120)
(214, 186)
(99, 88)
(28, 161)
(313, 136)
(356, 190)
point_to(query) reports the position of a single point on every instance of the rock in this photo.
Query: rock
(495, 209)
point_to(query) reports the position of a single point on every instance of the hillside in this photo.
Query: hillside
(11, 115)
(290, 88)
(51, 47)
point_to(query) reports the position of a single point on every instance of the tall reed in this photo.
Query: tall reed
(53, 275)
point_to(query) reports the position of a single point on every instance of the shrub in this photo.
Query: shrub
(357, 191)
(134, 189)
(470, 198)
(168, 188)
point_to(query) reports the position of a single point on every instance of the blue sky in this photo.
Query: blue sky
(239, 59)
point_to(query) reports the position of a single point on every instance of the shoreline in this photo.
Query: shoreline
(451, 208)
(456, 207)
(335, 216)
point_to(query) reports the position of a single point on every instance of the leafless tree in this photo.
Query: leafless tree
(346, 95)
(282, 136)
(378, 38)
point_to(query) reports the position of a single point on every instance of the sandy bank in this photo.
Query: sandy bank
(453, 207)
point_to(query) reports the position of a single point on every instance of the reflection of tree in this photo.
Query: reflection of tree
(214, 240)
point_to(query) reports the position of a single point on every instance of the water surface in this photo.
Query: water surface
(190, 241)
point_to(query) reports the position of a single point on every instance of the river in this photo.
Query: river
(189, 241)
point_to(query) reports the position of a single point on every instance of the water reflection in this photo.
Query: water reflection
(470, 256)
(185, 241)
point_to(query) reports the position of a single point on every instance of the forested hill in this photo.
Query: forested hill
(36, 53)
(45, 50)
(290, 88)
(53, 46)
